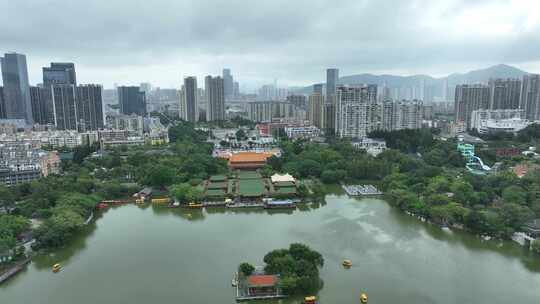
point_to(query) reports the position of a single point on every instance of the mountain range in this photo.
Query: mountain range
(394, 81)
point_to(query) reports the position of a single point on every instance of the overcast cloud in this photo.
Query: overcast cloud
(161, 41)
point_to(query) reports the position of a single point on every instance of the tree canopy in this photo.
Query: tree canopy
(298, 267)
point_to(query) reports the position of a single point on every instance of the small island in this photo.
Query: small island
(292, 271)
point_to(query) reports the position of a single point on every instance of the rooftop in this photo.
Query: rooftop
(261, 280)
(242, 157)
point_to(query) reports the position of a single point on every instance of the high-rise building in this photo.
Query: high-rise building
(228, 83)
(213, 87)
(352, 112)
(316, 110)
(267, 92)
(89, 107)
(387, 115)
(131, 100)
(504, 93)
(58, 96)
(2, 105)
(41, 106)
(329, 117)
(299, 101)
(64, 106)
(469, 98)
(189, 109)
(407, 115)
(260, 111)
(332, 78)
(59, 73)
(422, 89)
(16, 87)
(318, 88)
(530, 96)
(236, 89)
(146, 87)
(445, 90)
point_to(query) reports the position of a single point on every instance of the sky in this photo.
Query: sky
(293, 41)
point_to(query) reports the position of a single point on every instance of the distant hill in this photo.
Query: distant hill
(476, 76)
(483, 75)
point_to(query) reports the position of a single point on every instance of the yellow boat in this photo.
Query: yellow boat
(195, 205)
(363, 298)
(56, 267)
(165, 200)
(347, 263)
(310, 300)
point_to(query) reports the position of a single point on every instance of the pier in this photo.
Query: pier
(13, 270)
(357, 190)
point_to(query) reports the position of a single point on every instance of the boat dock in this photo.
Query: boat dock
(357, 190)
(246, 205)
(13, 270)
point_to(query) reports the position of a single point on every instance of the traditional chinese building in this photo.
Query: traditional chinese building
(248, 160)
(262, 285)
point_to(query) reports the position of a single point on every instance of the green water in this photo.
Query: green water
(150, 255)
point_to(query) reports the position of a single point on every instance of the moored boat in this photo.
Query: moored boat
(56, 267)
(195, 205)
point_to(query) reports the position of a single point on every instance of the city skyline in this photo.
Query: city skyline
(292, 49)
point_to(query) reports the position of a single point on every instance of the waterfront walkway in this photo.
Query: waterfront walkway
(13, 270)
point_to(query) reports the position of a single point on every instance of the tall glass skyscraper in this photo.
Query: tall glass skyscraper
(332, 77)
(59, 73)
(213, 87)
(131, 100)
(190, 100)
(16, 87)
(228, 83)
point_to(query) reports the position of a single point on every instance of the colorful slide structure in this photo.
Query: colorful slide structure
(474, 164)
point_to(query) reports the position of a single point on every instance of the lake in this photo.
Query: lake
(134, 254)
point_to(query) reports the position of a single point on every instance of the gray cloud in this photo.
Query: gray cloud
(129, 41)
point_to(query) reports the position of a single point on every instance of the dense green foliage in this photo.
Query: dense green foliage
(186, 193)
(338, 161)
(431, 183)
(246, 269)
(64, 202)
(10, 227)
(496, 204)
(536, 246)
(298, 268)
(408, 140)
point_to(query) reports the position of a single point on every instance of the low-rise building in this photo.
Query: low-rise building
(248, 160)
(302, 132)
(372, 146)
(500, 120)
(155, 133)
(132, 123)
(24, 161)
(115, 138)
